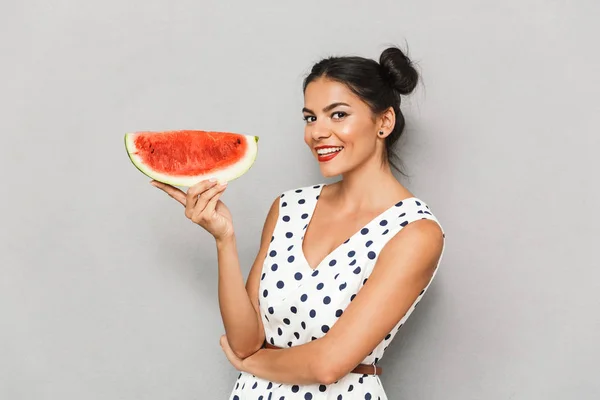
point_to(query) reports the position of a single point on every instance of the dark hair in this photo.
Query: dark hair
(380, 85)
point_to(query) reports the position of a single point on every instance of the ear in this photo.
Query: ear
(387, 121)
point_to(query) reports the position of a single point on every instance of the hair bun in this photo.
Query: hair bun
(398, 70)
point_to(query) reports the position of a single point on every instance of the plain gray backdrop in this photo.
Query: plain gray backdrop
(107, 291)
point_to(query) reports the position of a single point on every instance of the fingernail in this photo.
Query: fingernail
(212, 180)
(223, 183)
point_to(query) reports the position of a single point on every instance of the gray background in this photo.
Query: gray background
(107, 291)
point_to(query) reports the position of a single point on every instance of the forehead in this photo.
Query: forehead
(324, 91)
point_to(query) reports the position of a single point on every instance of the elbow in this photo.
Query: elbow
(329, 365)
(242, 354)
(328, 377)
(327, 372)
(245, 351)
(246, 345)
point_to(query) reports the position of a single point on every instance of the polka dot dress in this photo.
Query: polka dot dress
(299, 304)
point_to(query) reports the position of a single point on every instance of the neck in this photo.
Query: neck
(371, 186)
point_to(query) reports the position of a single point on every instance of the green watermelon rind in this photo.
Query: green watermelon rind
(227, 174)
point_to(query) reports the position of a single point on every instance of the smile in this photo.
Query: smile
(327, 153)
(328, 150)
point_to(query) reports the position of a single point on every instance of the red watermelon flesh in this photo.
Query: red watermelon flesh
(186, 157)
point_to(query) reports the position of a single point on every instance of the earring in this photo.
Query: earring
(381, 132)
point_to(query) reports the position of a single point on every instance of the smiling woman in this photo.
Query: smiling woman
(364, 94)
(340, 266)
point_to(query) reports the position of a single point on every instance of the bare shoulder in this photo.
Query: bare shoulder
(421, 241)
(272, 215)
(423, 231)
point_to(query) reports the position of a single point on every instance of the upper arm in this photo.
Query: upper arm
(253, 281)
(403, 269)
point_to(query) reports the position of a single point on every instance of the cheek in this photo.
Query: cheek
(307, 136)
(356, 135)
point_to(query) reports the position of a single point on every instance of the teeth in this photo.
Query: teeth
(329, 150)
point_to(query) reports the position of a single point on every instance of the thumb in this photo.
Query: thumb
(174, 192)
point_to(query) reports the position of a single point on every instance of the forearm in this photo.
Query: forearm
(299, 365)
(239, 316)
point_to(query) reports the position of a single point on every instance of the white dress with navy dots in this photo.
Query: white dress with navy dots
(299, 304)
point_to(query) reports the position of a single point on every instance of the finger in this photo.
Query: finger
(212, 203)
(193, 193)
(204, 199)
(172, 191)
(202, 186)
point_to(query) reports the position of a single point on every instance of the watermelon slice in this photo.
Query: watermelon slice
(186, 157)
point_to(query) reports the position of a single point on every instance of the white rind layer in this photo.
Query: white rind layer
(223, 175)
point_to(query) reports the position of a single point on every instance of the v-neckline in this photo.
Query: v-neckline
(310, 218)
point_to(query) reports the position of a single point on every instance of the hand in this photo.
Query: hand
(233, 359)
(202, 206)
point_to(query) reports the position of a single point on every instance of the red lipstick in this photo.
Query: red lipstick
(327, 156)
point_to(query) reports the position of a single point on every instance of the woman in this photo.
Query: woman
(341, 266)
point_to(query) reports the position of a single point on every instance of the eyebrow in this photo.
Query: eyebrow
(328, 108)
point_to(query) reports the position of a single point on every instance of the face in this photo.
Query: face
(341, 131)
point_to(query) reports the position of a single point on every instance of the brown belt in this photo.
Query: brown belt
(367, 369)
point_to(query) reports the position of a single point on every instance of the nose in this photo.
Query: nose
(319, 132)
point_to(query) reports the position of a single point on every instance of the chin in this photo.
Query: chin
(329, 172)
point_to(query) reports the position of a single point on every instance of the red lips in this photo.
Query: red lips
(328, 156)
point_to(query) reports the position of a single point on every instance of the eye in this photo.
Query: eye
(307, 118)
(341, 114)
